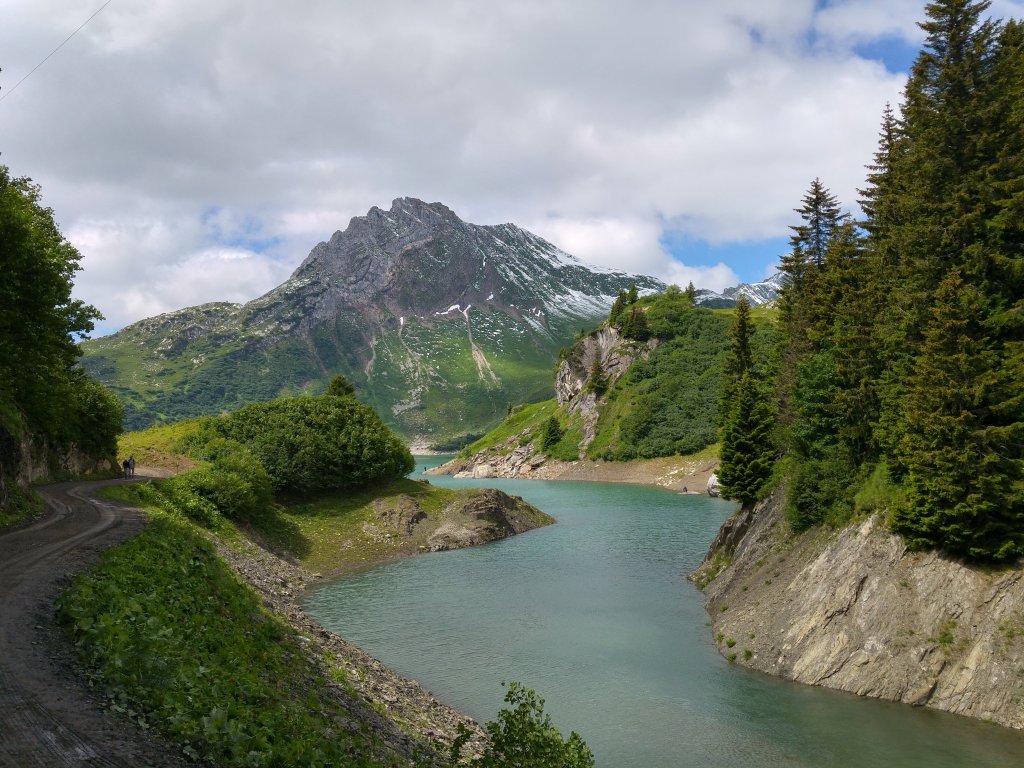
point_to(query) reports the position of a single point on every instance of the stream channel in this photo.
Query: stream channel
(596, 615)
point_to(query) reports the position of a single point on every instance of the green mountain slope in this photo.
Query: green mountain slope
(440, 324)
(621, 398)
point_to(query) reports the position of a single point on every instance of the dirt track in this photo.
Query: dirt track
(48, 716)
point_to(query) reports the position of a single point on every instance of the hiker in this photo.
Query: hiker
(131, 466)
(126, 467)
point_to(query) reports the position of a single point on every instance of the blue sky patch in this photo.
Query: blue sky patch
(751, 260)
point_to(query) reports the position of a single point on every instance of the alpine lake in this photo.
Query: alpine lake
(596, 615)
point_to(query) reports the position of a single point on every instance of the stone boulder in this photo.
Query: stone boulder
(714, 488)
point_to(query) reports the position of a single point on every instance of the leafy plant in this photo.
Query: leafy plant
(180, 645)
(523, 737)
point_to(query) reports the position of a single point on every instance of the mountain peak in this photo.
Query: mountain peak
(440, 324)
(758, 294)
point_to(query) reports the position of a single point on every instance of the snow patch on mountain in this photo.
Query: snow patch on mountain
(758, 294)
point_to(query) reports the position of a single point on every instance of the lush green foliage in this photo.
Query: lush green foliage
(41, 392)
(664, 405)
(309, 444)
(904, 341)
(182, 646)
(668, 404)
(341, 387)
(550, 433)
(523, 737)
(524, 418)
(231, 480)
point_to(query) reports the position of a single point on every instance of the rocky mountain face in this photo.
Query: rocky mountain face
(439, 323)
(521, 455)
(856, 611)
(758, 294)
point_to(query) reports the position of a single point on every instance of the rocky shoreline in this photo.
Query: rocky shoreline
(677, 473)
(852, 609)
(405, 717)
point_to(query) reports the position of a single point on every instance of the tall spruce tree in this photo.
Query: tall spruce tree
(821, 215)
(747, 452)
(801, 296)
(963, 487)
(907, 348)
(940, 182)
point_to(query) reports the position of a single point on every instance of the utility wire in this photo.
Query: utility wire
(37, 66)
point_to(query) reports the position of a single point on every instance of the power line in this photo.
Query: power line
(37, 66)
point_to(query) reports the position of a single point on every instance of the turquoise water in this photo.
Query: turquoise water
(595, 614)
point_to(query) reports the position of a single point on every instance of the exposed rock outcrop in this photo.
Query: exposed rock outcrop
(714, 488)
(574, 388)
(488, 516)
(27, 459)
(520, 456)
(400, 526)
(854, 610)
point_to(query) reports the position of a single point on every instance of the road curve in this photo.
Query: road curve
(48, 717)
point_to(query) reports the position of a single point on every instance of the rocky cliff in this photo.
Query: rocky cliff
(854, 610)
(520, 454)
(26, 459)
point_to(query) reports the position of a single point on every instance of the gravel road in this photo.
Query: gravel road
(48, 715)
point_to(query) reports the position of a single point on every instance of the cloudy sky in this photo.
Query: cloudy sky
(195, 150)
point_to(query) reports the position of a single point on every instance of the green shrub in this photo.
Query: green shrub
(820, 491)
(309, 444)
(236, 482)
(181, 494)
(550, 434)
(523, 737)
(877, 492)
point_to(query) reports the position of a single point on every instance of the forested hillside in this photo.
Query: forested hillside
(900, 379)
(643, 385)
(51, 414)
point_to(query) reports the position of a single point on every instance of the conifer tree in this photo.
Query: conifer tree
(615, 316)
(747, 452)
(341, 387)
(800, 301)
(597, 382)
(821, 215)
(551, 433)
(963, 484)
(740, 359)
(907, 348)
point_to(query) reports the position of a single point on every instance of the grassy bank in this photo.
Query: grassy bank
(180, 644)
(342, 533)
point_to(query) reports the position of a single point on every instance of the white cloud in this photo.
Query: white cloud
(716, 278)
(630, 244)
(857, 21)
(142, 268)
(168, 131)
